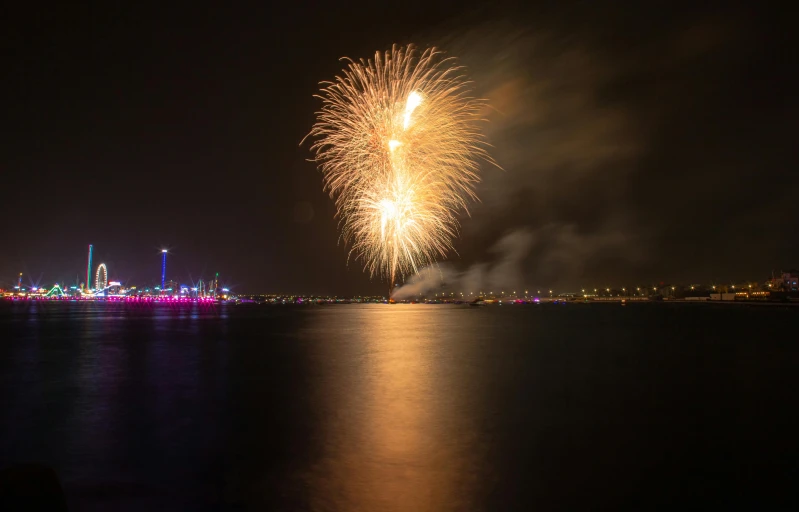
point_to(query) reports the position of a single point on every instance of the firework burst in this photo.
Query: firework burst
(399, 144)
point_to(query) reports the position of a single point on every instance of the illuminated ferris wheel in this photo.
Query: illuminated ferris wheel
(101, 279)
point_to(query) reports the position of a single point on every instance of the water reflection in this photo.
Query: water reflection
(423, 408)
(396, 436)
(98, 370)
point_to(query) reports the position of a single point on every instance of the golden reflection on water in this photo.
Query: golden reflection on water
(394, 438)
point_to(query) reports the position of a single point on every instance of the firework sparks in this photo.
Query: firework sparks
(398, 142)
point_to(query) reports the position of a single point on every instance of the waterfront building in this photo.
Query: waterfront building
(785, 281)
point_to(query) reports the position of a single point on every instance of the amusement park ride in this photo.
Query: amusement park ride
(103, 289)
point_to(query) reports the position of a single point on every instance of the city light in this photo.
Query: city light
(105, 290)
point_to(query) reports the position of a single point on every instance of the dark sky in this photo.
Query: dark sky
(640, 143)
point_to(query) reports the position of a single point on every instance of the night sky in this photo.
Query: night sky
(640, 143)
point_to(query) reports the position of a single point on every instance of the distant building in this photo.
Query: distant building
(786, 281)
(114, 287)
(171, 287)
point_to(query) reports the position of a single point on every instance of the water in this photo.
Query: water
(406, 407)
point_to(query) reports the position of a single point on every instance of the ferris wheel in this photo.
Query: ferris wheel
(101, 279)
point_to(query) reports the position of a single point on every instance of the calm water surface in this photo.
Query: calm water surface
(417, 408)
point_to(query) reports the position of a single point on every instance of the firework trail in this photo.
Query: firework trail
(399, 144)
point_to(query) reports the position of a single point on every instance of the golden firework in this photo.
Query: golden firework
(399, 144)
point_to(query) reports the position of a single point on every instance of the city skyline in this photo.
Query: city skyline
(443, 281)
(96, 267)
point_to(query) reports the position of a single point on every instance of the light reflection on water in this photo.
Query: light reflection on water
(377, 407)
(393, 434)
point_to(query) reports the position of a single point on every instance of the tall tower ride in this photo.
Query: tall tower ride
(163, 269)
(89, 269)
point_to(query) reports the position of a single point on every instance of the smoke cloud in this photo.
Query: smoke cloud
(565, 154)
(504, 272)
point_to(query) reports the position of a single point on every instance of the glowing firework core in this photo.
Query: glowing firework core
(414, 100)
(398, 143)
